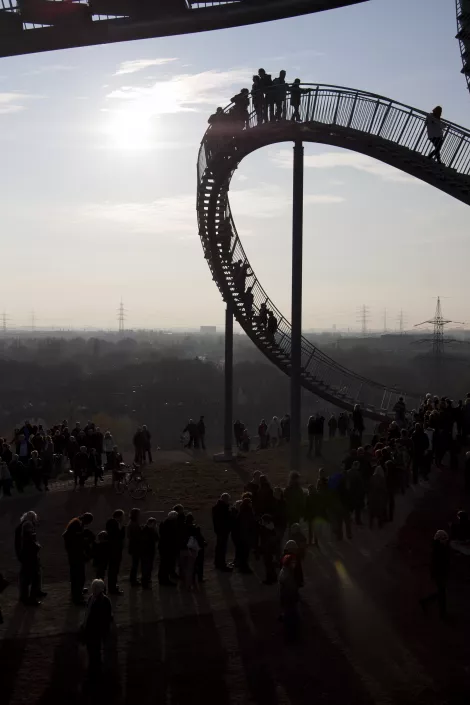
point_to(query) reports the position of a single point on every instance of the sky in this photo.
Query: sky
(98, 176)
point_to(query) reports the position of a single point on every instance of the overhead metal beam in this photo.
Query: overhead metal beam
(175, 19)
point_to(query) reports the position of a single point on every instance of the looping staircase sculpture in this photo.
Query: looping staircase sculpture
(373, 125)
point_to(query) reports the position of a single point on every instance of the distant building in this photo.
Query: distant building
(208, 330)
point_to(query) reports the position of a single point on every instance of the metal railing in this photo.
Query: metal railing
(358, 111)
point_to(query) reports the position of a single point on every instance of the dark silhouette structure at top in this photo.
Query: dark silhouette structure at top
(28, 26)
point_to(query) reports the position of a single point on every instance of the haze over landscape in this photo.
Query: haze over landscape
(98, 177)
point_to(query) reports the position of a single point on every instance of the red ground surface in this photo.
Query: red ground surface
(364, 639)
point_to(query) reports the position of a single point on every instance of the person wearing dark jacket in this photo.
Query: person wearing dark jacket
(19, 473)
(289, 595)
(358, 422)
(74, 541)
(279, 515)
(80, 466)
(148, 542)
(192, 431)
(201, 432)
(94, 465)
(295, 499)
(168, 548)
(467, 472)
(355, 491)
(439, 572)
(420, 445)
(146, 444)
(311, 509)
(116, 537)
(222, 522)
(35, 469)
(30, 573)
(247, 531)
(101, 555)
(134, 535)
(96, 626)
(268, 548)
(264, 499)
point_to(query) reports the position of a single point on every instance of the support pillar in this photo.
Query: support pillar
(296, 314)
(228, 388)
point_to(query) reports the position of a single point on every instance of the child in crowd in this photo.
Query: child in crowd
(295, 534)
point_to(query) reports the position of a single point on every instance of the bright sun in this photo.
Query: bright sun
(129, 129)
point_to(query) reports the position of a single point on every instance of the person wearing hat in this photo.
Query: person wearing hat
(439, 573)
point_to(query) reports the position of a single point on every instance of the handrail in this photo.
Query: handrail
(384, 108)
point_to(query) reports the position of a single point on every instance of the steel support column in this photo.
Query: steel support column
(228, 381)
(296, 347)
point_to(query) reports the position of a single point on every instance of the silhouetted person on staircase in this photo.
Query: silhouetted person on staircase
(239, 112)
(435, 133)
(295, 98)
(219, 132)
(240, 276)
(248, 299)
(257, 98)
(272, 325)
(279, 93)
(266, 83)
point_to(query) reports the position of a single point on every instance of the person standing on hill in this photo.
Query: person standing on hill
(108, 445)
(74, 541)
(80, 467)
(201, 432)
(134, 535)
(116, 536)
(149, 540)
(138, 442)
(30, 573)
(222, 520)
(168, 548)
(435, 133)
(358, 423)
(96, 625)
(332, 426)
(295, 499)
(439, 572)
(146, 444)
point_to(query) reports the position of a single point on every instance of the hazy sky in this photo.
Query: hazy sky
(98, 176)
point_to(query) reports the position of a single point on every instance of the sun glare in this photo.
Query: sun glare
(129, 129)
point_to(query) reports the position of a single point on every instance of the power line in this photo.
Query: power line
(363, 315)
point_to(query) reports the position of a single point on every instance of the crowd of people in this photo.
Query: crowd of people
(35, 455)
